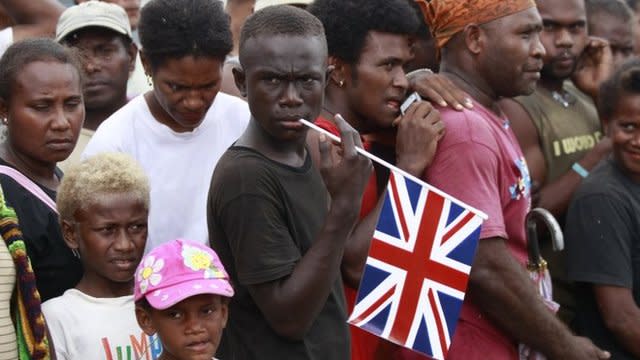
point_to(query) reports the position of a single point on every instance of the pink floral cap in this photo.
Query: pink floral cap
(177, 270)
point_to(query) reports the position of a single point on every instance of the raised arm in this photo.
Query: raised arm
(33, 18)
(594, 67)
(291, 304)
(416, 138)
(438, 89)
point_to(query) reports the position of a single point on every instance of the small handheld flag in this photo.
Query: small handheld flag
(418, 267)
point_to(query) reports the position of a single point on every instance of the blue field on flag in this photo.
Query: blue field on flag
(418, 267)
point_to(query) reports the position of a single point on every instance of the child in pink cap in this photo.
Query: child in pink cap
(182, 293)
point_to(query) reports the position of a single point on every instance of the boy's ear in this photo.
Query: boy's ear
(69, 234)
(144, 321)
(337, 72)
(239, 78)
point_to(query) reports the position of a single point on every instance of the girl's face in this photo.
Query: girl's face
(110, 234)
(190, 329)
(624, 130)
(45, 112)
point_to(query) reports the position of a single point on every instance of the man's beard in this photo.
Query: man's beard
(549, 72)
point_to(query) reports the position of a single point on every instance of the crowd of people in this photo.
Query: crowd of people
(160, 199)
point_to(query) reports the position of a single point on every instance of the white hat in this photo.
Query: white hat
(93, 13)
(261, 4)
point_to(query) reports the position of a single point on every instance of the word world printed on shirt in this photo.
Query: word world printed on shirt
(418, 267)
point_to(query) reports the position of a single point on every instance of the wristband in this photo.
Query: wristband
(580, 170)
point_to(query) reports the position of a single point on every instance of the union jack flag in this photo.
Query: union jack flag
(416, 274)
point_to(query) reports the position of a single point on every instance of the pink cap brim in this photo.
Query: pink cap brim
(164, 298)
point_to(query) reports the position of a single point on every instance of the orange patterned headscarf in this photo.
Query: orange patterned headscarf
(448, 17)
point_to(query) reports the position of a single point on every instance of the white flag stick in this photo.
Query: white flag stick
(395, 168)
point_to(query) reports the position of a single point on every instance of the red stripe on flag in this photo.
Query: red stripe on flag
(458, 226)
(375, 305)
(416, 262)
(443, 341)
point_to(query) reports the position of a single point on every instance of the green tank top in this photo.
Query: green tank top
(565, 134)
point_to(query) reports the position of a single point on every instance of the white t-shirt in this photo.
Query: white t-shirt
(137, 83)
(74, 158)
(6, 39)
(85, 327)
(179, 165)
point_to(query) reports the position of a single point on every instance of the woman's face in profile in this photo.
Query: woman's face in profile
(45, 112)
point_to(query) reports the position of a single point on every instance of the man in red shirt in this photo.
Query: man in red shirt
(369, 43)
(492, 49)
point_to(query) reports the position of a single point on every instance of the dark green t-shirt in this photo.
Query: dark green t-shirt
(263, 216)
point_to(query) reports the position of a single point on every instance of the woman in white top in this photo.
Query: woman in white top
(179, 130)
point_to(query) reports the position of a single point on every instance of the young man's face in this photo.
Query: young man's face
(376, 86)
(108, 60)
(564, 36)
(618, 33)
(190, 329)
(511, 58)
(624, 130)
(110, 234)
(283, 78)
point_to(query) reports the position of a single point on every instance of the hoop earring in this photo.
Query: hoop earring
(75, 253)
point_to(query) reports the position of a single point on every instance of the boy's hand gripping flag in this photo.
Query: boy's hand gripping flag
(418, 267)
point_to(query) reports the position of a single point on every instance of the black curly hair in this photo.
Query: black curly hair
(347, 23)
(173, 29)
(625, 81)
